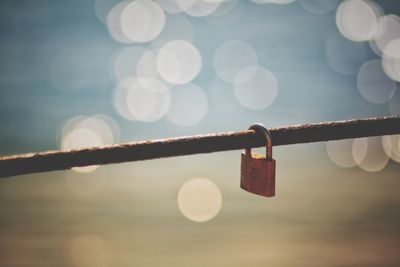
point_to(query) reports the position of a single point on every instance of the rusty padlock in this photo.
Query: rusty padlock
(258, 171)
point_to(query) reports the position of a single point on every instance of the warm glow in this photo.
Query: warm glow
(199, 199)
(86, 184)
(340, 152)
(84, 132)
(90, 250)
(391, 145)
(369, 154)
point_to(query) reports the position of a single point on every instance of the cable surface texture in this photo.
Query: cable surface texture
(188, 145)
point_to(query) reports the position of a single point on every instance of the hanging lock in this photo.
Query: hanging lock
(258, 171)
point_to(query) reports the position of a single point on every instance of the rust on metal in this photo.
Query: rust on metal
(257, 172)
(144, 150)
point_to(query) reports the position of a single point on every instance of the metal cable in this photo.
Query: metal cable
(179, 146)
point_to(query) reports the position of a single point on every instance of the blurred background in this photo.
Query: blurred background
(87, 73)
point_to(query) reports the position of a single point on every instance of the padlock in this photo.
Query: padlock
(258, 171)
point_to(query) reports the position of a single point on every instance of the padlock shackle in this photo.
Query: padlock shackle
(258, 127)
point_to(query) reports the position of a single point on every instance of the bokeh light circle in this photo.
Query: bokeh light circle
(373, 84)
(369, 154)
(232, 57)
(178, 62)
(104, 125)
(227, 12)
(391, 146)
(388, 30)
(340, 152)
(357, 20)
(169, 6)
(120, 95)
(202, 8)
(148, 99)
(189, 105)
(175, 6)
(114, 23)
(147, 65)
(199, 199)
(82, 138)
(83, 132)
(255, 87)
(124, 63)
(67, 126)
(225, 7)
(391, 59)
(142, 20)
(183, 5)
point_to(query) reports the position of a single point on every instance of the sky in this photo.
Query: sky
(86, 73)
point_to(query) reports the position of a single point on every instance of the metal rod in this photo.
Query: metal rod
(180, 146)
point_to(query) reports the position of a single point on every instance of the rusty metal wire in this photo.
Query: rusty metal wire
(144, 150)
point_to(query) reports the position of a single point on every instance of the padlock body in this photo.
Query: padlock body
(257, 174)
